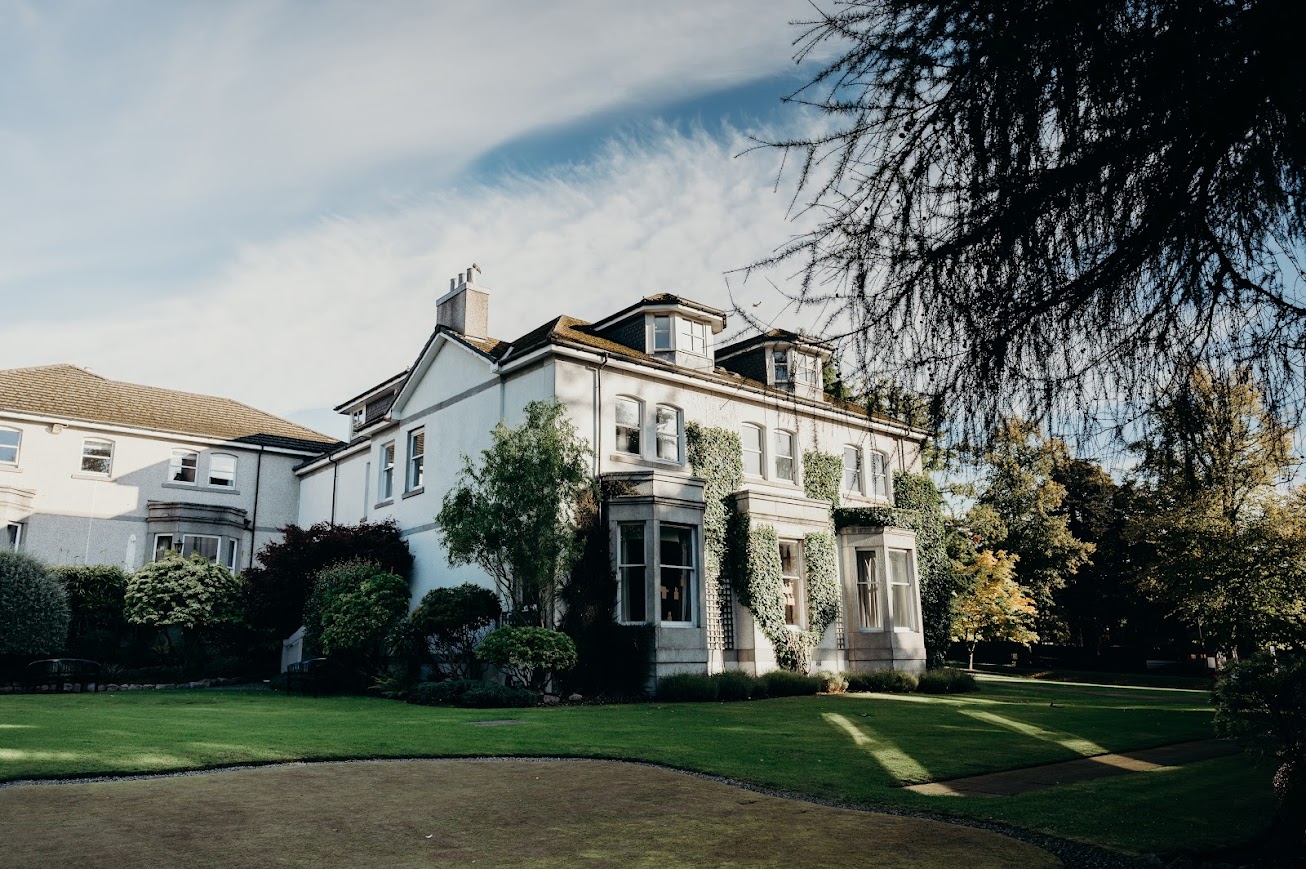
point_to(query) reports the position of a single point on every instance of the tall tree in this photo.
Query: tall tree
(513, 512)
(1019, 506)
(1222, 548)
(1051, 203)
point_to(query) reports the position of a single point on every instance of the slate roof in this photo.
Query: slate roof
(69, 392)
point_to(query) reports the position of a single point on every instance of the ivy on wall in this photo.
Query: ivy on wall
(918, 507)
(822, 474)
(716, 455)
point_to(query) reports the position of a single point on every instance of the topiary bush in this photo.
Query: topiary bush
(528, 656)
(882, 682)
(688, 688)
(33, 607)
(188, 597)
(783, 683)
(946, 681)
(735, 685)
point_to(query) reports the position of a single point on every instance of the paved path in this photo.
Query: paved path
(1017, 781)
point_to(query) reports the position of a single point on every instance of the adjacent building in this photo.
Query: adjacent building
(97, 471)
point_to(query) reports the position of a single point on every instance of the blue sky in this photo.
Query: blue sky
(264, 200)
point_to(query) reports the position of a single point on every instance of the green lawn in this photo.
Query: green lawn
(855, 747)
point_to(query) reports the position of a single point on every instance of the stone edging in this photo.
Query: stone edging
(72, 688)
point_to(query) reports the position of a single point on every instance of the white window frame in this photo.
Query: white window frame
(230, 547)
(691, 580)
(637, 428)
(780, 365)
(235, 465)
(658, 332)
(17, 446)
(356, 418)
(870, 612)
(217, 554)
(623, 574)
(804, 369)
(879, 474)
(760, 451)
(856, 486)
(177, 465)
(159, 538)
(792, 476)
(908, 583)
(86, 442)
(385, 486)
(794, 583)
(14, 535)
(661, 437)
(415, 478)
(695, 334)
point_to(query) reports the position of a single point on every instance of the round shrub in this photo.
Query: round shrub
(528, 656)
(946, 681)
(353, 607)
(447, 625)
(688, 688)
(187, 593)
(883, 682)
(33, 607)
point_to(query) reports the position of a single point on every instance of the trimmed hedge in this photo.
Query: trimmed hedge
(738, 685)
(471, 693)
(783, 683)
(33, 607)
(688, 688)
(882, 682)
(947, 681)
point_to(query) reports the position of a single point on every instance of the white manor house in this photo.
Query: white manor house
(631, 383)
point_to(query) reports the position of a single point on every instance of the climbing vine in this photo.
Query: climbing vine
(822, 474)
(716, 455)
(822, 584)
(918, 507)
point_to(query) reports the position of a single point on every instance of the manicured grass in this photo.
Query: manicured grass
(422, 813)
(854, 747)
(1142, 680)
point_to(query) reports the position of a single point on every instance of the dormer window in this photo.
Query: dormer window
(780, 359)
(805, 370)
(662, 332)
(356, 419)
(694, 334)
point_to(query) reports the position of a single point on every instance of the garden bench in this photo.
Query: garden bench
(308, 676)
(61, 671)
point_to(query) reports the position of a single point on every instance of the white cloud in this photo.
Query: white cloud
(305, 321)
(131, 131)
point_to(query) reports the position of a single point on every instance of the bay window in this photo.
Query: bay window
(791, 577)
(677, 573)
(901, 590)
(633, 573)
(868, 590)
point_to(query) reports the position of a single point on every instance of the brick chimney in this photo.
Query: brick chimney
(466, 307)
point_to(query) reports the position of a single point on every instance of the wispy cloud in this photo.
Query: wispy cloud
(137, 139)
(304, 321)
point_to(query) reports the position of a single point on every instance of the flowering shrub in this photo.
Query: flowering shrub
(528, 656)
